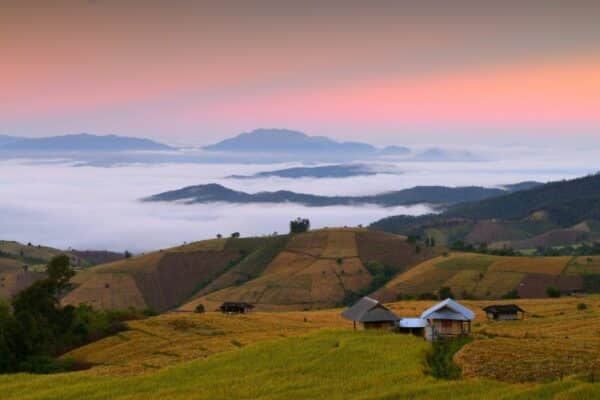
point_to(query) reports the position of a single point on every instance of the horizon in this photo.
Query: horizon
(394, 73)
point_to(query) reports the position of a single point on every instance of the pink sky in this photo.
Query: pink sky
(381, 72)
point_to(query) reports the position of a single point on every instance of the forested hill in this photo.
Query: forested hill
(419, 194)
(565, 203)
(555, 214)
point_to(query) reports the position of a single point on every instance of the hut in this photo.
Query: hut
(371, 313)
(415, 326)
(235, 307)
(504, 312)
(447, 319)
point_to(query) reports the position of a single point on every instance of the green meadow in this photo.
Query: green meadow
(332, 364)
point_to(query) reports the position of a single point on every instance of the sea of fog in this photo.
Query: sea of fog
(58, 203)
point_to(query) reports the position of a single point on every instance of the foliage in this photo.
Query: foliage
(38, 329)
(552, 291)
(582, 306)
(513, 294)
(199, 308)
(445, 293)
(460, 245)
(579, 250)
(440, 359)
(299, 225)
(381, 274)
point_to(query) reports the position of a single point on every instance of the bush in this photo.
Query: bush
(582, 306)
(440, 359)
(552, 291)
(445, 293)
(513, 294)
(199, 309)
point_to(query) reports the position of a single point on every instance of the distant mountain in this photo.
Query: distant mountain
(421, 194)
(4, 139)
(82, 142)
(394, 151)
(539, 215)
(286, 141)
(441, 155)
(326, 171)
(565, 202)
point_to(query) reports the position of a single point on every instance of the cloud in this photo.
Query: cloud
(97, 208)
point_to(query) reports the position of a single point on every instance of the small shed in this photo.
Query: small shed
(415, 326)
(447, 319)
(371, 313)
(504, 312)
(230, 307)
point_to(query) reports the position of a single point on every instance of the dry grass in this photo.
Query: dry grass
(532, 265)
(340, 244)
(107, 290)
(205, 245)
(555, 340)
(496, 284)
(178, 337)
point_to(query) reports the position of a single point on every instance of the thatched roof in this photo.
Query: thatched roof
(369, 310)
(449, 309)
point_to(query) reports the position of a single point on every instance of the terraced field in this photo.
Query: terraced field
(315, 354)
(556, 339)
(480, 276)
(316, 270)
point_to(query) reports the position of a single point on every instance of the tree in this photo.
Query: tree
(219, 236)
(445, 293)
(235, 235)
(59, 271)
(552, 291)
(199, 308)
(299, 225)
(127, 254)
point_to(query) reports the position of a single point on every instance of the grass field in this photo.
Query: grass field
(471, 275)
(253, 359)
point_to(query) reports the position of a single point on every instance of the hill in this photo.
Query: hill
(554, 214)
(82, 142)
(482, 276)
(315, 269)
(286, 141)
(211, 193)
(325, 171)
(23, 264)
(5, 139)
(289, 355)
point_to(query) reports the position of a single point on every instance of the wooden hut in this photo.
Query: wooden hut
(230, 307)
(371, 313)
(447, 319)
(504, 312)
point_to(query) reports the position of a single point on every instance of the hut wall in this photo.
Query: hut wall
(448, 327)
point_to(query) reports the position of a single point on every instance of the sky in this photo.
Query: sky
(386, 72)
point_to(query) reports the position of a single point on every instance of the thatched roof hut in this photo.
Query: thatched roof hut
(371, 313)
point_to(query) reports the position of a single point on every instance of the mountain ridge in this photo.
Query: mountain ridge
(420, 194)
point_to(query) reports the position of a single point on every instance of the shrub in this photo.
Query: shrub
(199, 309)
(440, 359)
(445, 292)
(582, 306)
(552, 291)
(513, 294)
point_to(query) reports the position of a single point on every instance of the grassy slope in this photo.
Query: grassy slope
(481, 276)
(314, 270)
(324, 364)
(164, 279)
